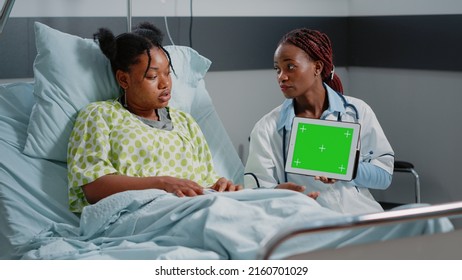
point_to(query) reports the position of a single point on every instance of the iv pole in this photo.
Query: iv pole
(5, 13)
(129, 15)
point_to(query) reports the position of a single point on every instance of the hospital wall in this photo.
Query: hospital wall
(415, 88)
(393, 54)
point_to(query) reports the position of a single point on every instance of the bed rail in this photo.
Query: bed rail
(454, 209)
(5, 13)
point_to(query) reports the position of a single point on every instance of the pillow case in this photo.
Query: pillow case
(71, 72)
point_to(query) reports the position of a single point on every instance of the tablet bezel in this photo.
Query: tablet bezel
(353, 154)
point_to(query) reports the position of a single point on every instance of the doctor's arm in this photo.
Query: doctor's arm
(372, 176)
(375, 168)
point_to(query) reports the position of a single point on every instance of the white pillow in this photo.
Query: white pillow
(71, 72)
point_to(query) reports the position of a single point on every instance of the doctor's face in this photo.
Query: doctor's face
(295, 70)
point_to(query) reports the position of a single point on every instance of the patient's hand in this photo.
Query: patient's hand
(291, 186)
(181, 187)
(313, 195)
(298, 188)
(225, 185)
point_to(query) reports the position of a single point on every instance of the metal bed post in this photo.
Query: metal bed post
(269, 245)
(5, 13)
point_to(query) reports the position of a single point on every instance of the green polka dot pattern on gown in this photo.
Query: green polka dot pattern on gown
(107, 139)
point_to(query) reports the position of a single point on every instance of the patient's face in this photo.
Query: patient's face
(295, 70)
(150, 91)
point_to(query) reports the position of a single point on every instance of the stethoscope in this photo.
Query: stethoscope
(346, 104)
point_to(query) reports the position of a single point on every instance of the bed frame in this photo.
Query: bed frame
(437, 246)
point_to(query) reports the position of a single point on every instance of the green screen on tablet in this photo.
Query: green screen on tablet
(323, 148)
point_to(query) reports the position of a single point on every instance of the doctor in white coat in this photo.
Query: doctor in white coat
(305, 72)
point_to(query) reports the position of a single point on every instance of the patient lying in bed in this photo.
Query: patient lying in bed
(136, 142)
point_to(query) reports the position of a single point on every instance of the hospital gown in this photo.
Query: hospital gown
(108, 139)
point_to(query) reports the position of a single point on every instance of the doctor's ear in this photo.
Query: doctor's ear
(318, 67)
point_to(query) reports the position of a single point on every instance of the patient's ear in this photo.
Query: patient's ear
(122, 78)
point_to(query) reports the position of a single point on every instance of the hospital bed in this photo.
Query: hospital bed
(35, 121)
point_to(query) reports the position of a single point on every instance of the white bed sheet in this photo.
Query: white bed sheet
(29, 200)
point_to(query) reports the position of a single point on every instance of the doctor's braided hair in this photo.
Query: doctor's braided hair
(124, 50)
(318, 47)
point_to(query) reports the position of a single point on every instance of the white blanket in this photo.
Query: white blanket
(152, 224)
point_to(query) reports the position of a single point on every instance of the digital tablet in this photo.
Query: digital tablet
(323, 148)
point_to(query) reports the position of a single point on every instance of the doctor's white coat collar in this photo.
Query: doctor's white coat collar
(287, 115)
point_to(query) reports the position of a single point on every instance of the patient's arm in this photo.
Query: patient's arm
(111, 184)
